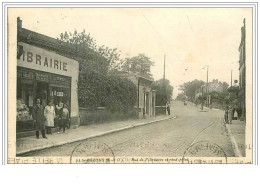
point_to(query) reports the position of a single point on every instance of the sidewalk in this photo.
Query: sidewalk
(236, 132)
(30, 144)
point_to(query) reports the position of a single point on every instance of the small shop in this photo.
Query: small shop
(46, 75)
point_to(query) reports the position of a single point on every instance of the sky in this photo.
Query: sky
(189, 37)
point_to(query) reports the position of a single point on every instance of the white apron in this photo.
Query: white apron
(49, 113)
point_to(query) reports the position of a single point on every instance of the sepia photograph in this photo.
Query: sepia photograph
(130, 85)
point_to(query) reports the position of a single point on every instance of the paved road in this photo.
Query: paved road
(170, 138)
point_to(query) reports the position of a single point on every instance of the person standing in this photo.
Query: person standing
(168, 108)
(57, 110)
(64, 117)
(235, 115)
(49, 113)
(226, 114)
(38, 119)
(230, 114)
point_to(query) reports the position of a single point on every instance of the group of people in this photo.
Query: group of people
(230, 114)
(50, 116)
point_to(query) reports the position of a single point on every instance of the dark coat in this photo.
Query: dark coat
(38, 116)
(63, 120)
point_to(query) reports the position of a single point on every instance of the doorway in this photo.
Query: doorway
(147, 102)
(42, 92)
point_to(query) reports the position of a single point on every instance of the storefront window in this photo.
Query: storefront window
(32, 85)
(60, 94)
(24, 101)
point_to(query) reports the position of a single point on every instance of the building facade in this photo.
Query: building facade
(43, 71)
(210, 94)
(242, 70)
(146, 97)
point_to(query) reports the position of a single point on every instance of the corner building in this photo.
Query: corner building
(46, 70)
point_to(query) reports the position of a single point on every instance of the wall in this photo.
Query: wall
(160, 110)
(101, 115)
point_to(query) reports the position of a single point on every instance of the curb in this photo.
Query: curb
(233, 141)
(93, 136)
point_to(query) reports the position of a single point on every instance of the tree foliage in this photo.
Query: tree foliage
(110, 91)
(97, 87)
(189, 88)
(85, 42)
(163, 91)
(180, 97)
(139, 64)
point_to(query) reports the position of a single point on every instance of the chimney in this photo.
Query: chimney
(19, 23)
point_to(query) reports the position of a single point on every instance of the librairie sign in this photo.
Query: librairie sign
(40, 59)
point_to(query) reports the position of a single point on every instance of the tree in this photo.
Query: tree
(163, 91)
(225, 86)
(140, 64)
(180, 96)
(189, 88)
(84, 42)
(97, 86)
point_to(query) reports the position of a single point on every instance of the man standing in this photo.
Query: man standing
(38, 119)
(168, 108)
(226, 114)
(230, 114)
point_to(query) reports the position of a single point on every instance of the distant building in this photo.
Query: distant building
(145, 95)
(242, 71)
(215, 88)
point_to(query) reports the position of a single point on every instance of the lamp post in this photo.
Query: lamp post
(207, 85)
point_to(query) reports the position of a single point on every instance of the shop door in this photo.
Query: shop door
(42, 92)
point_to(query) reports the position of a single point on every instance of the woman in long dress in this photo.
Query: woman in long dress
(49, 113)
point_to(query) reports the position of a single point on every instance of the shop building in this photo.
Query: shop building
(46, 70)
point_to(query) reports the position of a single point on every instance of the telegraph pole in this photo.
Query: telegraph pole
(231, 78)
(164, 88)
(164, 68)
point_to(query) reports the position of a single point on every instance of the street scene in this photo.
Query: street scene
(158, 83)
(188, 127)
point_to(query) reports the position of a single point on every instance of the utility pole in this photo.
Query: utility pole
(164, 85)
(231, 78)
(164, 68)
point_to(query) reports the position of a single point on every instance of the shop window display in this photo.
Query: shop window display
(24, 102)
(23, 111)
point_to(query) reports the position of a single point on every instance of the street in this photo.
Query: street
(166, 138)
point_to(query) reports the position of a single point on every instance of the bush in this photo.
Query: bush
(110, 91)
